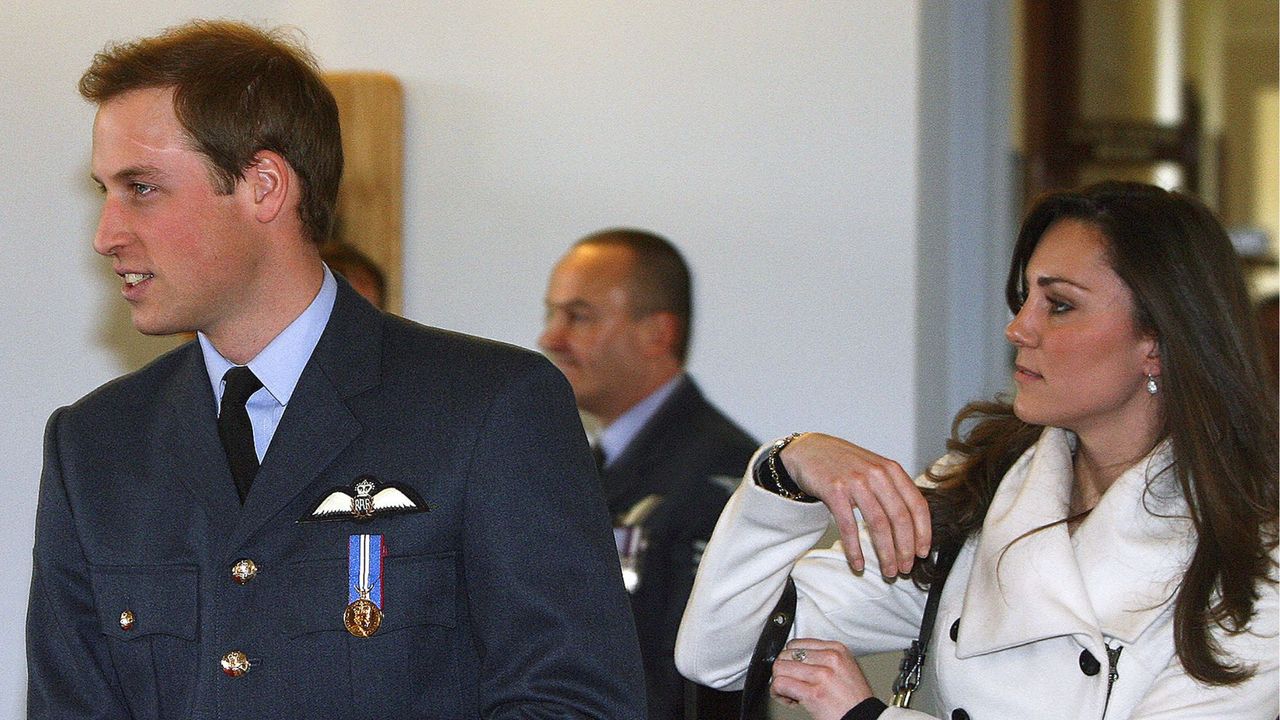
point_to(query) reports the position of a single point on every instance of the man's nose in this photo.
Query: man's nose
(552, 337)
(111, 232)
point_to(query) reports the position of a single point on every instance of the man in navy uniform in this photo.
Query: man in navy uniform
(314, 510)
(619, 308)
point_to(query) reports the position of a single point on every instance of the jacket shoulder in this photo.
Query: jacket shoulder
(697, 428)
(405, 339)
(143, 386)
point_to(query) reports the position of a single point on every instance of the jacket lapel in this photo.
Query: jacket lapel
(1024, 585)
(187, 429)
(621, 478)
(1111, 577)
(318, 423)
(1135, 545)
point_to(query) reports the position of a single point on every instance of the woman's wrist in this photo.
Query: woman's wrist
(771, 474)
(869, 709)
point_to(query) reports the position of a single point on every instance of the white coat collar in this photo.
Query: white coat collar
(1114, 577)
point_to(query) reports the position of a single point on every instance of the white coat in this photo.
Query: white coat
(1025, 621)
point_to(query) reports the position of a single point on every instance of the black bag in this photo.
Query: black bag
(755, 692)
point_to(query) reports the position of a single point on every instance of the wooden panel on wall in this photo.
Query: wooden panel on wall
(371, 198)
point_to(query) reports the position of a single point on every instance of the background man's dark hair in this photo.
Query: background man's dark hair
(238, 90)
(660, 280)
(352, 264)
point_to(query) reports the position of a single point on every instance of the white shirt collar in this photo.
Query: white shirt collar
(614, 439)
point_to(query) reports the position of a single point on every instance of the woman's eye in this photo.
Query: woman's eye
(1057, 307)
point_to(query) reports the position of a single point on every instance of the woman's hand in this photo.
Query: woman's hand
(821, 676)
(844, 476)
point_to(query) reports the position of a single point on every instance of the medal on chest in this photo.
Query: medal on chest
(363, 615)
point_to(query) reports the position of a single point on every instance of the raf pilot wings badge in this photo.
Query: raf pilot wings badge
(371, 499)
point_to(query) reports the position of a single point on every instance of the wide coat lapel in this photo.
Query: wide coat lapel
(1112, 577)
(318, 423)
(1135, 546)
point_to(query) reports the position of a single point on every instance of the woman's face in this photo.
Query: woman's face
(1081, 362)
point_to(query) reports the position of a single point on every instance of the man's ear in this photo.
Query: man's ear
(661, 330)
(268, 180)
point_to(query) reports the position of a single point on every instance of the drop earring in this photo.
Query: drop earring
(1152, 387)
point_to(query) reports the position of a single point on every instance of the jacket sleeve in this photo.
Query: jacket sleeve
(543, 584)
(760, 538)
(69, 670)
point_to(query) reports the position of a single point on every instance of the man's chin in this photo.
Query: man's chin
(157, 328)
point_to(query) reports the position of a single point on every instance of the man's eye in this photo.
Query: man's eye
(141, 189)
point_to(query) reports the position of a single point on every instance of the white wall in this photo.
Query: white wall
(776, 143)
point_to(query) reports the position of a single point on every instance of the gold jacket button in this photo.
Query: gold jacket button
(126, 620)
(243, 571)
(235, 663)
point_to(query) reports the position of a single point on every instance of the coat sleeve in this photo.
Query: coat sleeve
(760, 538)
(550, 616)
(69, 670)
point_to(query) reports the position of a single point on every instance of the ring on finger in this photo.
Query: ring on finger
(799, 654)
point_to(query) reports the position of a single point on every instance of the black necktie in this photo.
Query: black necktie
(235, 429)
(597, 452)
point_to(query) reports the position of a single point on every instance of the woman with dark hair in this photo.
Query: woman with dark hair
(1114, 528)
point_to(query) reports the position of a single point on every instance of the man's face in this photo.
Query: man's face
(189, 256)
(590, 332)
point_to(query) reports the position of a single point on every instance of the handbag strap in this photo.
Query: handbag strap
(913, 657)
(755, 692)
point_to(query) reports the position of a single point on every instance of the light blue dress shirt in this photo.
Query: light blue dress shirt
(614, 439)
(278, 366)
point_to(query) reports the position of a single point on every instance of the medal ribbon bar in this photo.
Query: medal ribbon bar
(364, 566)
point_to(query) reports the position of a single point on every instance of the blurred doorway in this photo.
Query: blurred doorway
(1181, 93)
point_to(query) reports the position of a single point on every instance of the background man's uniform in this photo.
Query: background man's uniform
(138, 514)
(688, 456)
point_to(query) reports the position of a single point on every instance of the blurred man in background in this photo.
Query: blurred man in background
(618, 317)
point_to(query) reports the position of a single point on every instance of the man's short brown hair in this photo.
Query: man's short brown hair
(238, 90)
(660, 280)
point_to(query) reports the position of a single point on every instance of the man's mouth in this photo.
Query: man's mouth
(132, 278)
(1026, 372)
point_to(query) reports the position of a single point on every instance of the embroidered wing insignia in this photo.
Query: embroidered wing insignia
(365, 499)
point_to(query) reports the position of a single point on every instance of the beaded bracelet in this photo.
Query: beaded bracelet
(772, 461)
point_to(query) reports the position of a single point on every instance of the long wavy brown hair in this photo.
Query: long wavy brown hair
(1218, 410)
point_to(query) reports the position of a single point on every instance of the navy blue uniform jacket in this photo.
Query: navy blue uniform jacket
(503, 601)
(691, 456)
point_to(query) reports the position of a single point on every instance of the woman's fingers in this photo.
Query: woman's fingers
(845, 476)
(847, 525)
(887, 498)
(820, 675)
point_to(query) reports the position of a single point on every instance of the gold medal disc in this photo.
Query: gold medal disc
(362, 618)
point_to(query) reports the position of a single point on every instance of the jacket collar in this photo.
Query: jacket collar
(619, 477)
(319, 423)
(1114, 577)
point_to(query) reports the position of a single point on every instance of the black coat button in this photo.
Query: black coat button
(955, 629)
(1089, 664)
(959, 714)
